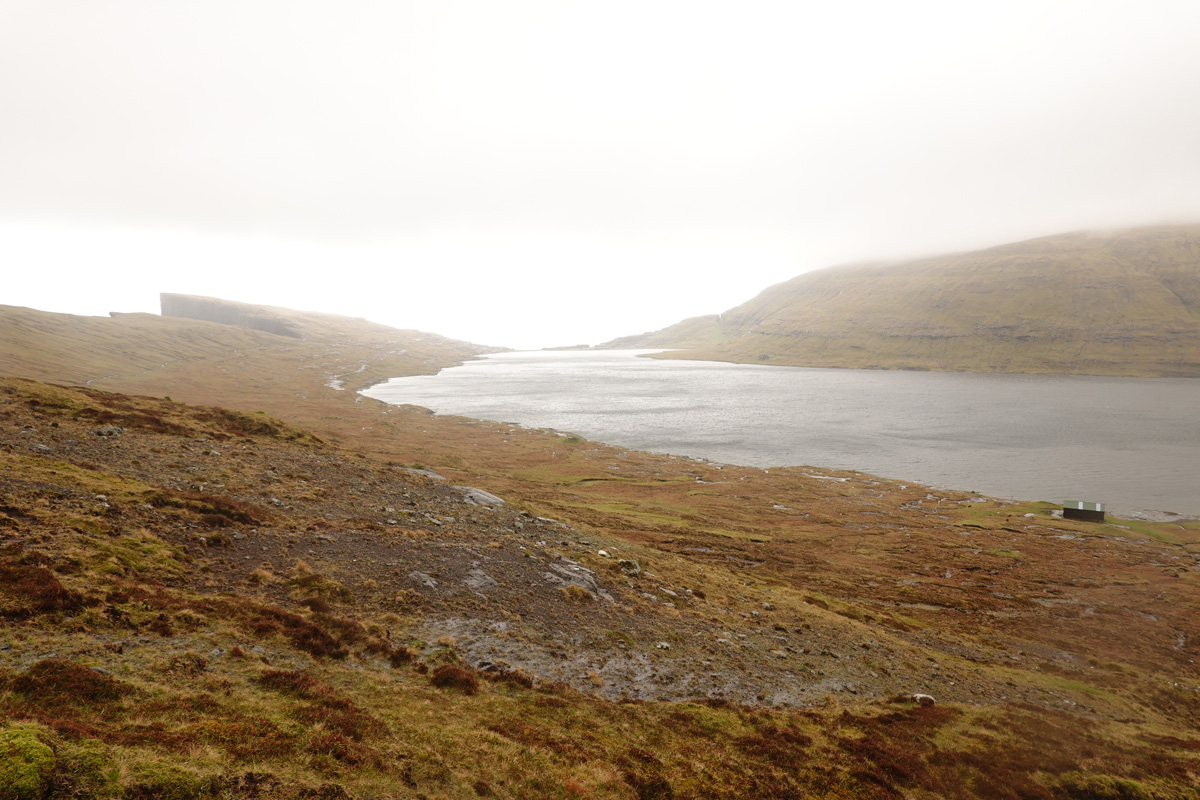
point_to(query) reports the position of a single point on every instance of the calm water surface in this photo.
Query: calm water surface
(1131, 443)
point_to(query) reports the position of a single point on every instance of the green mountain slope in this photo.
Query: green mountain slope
(1124, 303)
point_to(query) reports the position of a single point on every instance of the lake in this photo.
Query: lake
(1131, 443)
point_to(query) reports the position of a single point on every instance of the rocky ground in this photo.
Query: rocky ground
(210, 603)
(323, 528)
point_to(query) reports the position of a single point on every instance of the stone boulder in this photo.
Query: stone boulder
(478, 497)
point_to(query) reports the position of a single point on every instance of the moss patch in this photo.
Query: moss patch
(26, 764)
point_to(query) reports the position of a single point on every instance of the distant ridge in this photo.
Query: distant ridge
(205, 340)
(1124, 303)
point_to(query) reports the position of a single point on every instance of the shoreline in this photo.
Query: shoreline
(953, 454)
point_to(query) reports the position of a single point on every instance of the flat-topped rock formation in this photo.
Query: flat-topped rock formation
(227, 312)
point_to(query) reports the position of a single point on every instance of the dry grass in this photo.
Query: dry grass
(28, 587)
(452, 676)
(577, 594)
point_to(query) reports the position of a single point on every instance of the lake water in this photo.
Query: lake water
(1131, 443)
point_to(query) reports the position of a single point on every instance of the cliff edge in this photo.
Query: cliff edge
(228, 312)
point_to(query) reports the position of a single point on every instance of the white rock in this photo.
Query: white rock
(478, 497)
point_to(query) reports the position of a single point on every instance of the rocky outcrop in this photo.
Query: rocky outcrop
(227, 312)
(478, 497)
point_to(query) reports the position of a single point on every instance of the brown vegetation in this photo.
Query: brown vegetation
(27, 587)
(452, 676)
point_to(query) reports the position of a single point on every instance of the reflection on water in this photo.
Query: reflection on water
(1131, 443)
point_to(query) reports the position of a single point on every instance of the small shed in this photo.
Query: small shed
(1080, 509)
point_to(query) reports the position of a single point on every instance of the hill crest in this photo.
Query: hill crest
(1124, 303)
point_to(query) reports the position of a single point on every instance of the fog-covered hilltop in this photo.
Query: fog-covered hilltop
(1125, 303)
(227, 312)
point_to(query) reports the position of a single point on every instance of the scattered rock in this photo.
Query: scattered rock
(108, 431)
(423, 578)
(567, 573)
(478, 580)
(478, 497)
(428, 473)
(630, 567)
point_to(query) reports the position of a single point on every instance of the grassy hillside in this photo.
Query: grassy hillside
(691, 333)
(294, 595)
(215, 363)
(1102, 304)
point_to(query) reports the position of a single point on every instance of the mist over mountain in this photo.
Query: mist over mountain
(1117, 303)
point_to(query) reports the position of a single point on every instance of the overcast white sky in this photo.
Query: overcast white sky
(533, 173)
